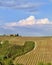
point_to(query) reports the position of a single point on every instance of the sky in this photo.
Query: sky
(26, 17)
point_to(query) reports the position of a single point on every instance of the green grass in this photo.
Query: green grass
(42, 52)
(8, 52)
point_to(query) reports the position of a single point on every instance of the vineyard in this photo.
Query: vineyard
(42, 51)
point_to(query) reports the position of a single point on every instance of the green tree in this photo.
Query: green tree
(17, 34)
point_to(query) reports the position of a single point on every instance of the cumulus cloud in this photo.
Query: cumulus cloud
(29, 26)
(24, 22)
(43, 21)
(30, 21)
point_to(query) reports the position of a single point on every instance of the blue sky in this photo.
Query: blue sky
(26, 17)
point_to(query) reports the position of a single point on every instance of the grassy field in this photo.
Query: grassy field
(41, 53)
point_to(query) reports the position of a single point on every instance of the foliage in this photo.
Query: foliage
(28, 46)
(9, 52)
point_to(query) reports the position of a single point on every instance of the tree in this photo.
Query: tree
(17, 34)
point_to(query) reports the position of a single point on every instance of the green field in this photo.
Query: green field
(25, 50)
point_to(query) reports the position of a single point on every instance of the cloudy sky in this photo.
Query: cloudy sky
(26, 17)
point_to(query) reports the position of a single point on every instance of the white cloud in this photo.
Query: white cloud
(24, 5)
(43, 21)
(24, 22)
(11, 24)
(18, 4)
(30, 21)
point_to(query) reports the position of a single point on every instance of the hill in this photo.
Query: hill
(41, 53)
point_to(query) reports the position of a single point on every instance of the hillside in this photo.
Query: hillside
(41, 53)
